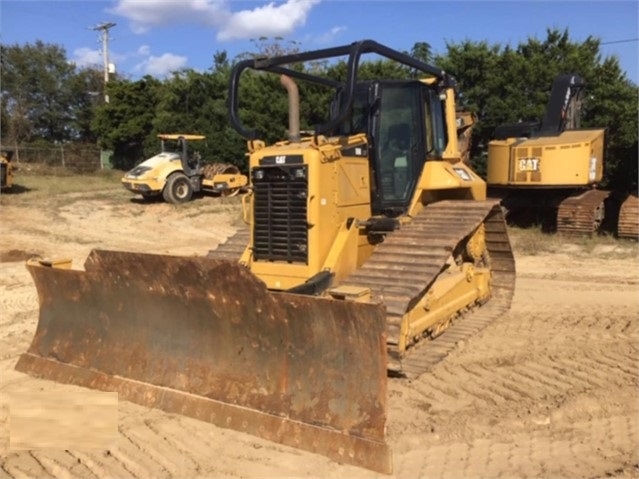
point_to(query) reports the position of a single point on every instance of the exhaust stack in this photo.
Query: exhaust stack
(293, 108)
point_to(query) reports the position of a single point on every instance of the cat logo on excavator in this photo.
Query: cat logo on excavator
(350, 260)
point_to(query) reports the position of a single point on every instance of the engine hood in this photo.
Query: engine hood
(151, 164)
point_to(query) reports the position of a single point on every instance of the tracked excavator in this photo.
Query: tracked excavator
(548, 172)
(366, 240)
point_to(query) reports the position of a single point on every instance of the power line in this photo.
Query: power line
(628, 40)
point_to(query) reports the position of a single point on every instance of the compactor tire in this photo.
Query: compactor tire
(178, 189)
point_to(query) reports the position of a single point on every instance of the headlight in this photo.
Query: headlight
(258, 174)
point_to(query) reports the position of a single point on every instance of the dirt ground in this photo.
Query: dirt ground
(547, 390)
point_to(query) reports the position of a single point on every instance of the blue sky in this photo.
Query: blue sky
(158, 36)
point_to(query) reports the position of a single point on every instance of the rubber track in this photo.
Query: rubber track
(404, 266)
(576, 215)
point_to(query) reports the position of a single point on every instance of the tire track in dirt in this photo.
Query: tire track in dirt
(17, 293)
(100, 463)
(62, 464)
(527, 380)
(589, 450)
(18, 312)
(533, 374)
(24, 466)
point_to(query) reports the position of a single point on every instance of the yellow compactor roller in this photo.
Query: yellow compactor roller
(365, 240)
(176, 173)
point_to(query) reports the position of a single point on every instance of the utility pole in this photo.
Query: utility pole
(104, 28)
(105, 156)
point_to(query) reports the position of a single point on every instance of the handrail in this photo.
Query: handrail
(354, 51)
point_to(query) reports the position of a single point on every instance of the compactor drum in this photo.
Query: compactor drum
(364, 242)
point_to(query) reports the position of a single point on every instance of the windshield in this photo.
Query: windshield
(398, 150)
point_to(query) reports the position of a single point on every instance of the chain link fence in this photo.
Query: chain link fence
(73, 158)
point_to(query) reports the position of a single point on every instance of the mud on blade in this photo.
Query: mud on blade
(206, 339)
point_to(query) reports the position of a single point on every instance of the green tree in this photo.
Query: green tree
(123, 124)
(506, 85)
(36, 92)
(422, 51)
(87, 87)
(267, 47)
(194, 102)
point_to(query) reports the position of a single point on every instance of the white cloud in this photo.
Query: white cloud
(144, 50)
(268, 20)
(328, 38)
(86, 57)
(161, 66)
(145, 14)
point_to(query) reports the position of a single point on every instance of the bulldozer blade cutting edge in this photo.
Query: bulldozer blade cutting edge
(205, 338)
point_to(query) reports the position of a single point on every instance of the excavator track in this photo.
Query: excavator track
(628, 225)
(404, 266)
(582, 214)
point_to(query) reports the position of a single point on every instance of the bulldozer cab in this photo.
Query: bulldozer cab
(400, 118)
(393, 117)
(406, 122)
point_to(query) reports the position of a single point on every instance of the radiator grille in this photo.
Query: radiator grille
(280, 228)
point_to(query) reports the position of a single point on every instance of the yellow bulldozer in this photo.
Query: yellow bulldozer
(176, 173)
(548, 172)
(365, 241)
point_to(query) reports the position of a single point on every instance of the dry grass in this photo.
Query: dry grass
(46, 186)
(532, 241)
(54, 187)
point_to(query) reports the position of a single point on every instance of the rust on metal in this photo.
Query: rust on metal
(205, 338)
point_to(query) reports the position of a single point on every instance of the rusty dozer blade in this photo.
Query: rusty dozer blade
(206, 339)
